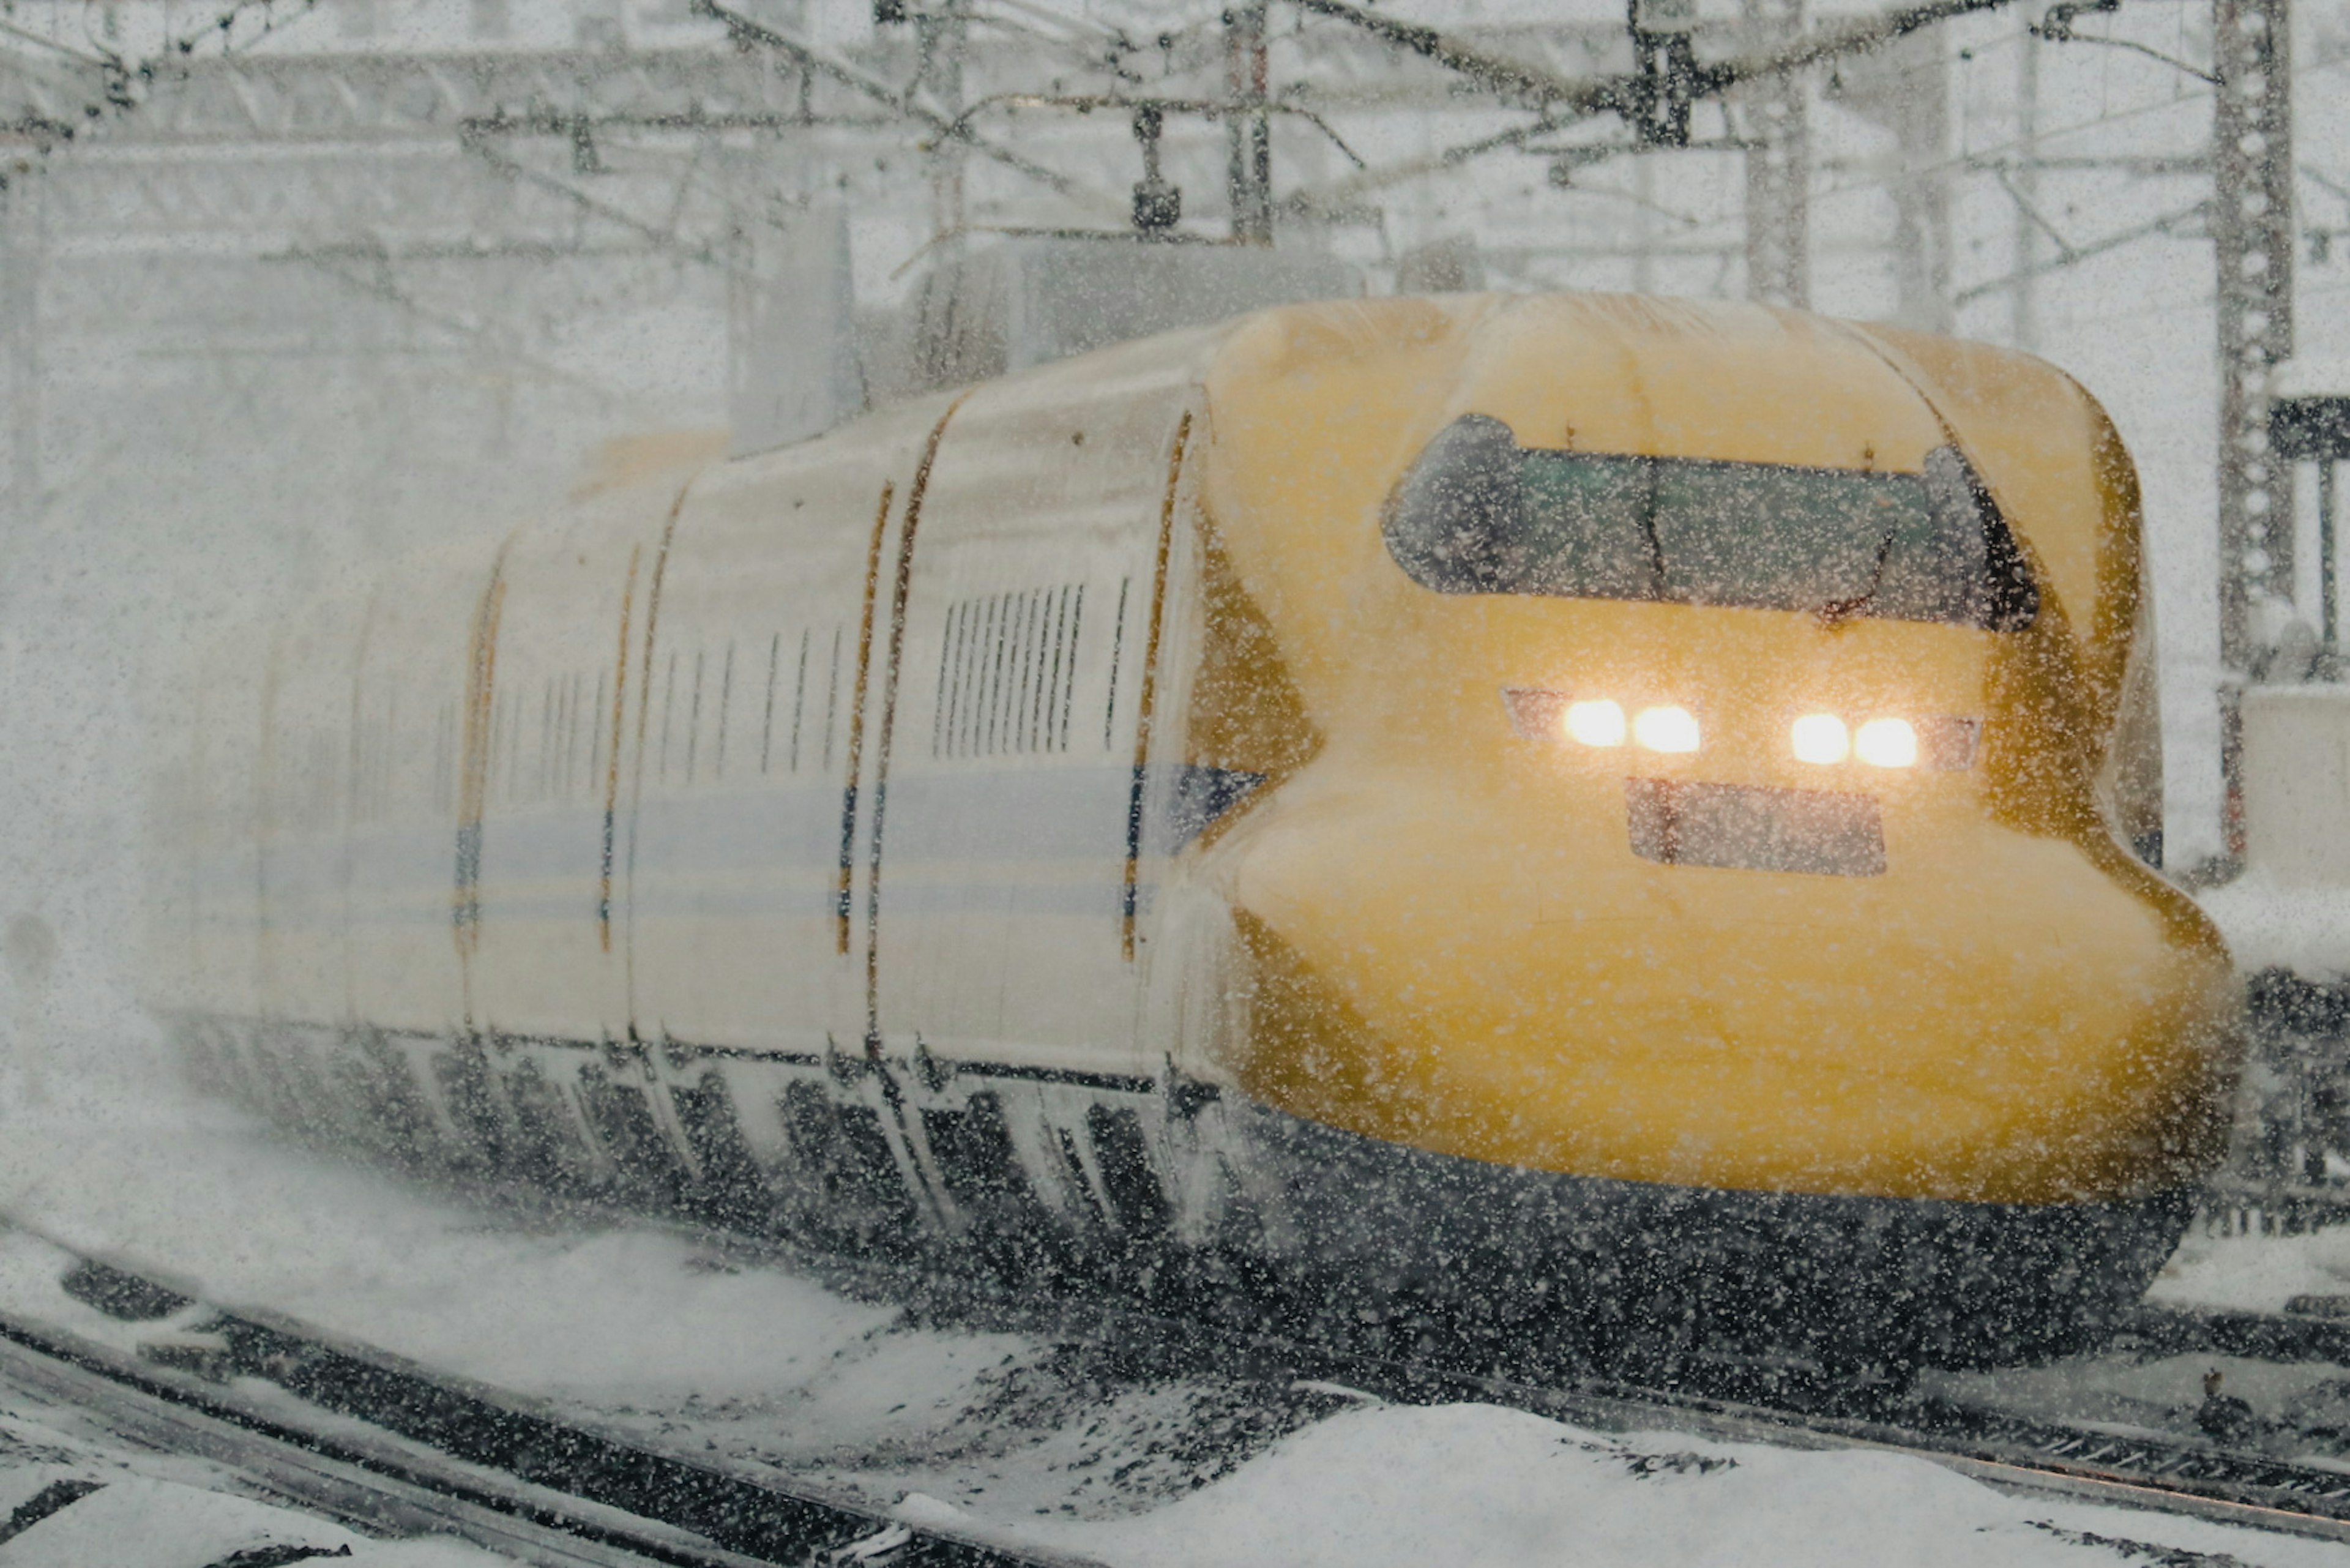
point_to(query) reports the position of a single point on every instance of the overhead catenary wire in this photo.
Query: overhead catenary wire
(1560, 100)
(755, 33)
(337, 263)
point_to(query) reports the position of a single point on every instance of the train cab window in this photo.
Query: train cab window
(1478, 514)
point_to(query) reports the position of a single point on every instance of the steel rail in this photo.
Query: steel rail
(506, 1472)
(2261, 1336)
(376, 1488)
(2146, 1470)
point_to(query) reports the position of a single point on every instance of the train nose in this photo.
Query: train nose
(1992, 1016)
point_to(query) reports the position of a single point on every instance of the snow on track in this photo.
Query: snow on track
(74, 1496)
(642, 1329)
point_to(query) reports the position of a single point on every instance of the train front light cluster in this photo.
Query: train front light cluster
(1822, 738)
(1600, 722)
(1936, 743)
(1887, 743)
(1884, 742)
(1666, 729)
(1596, 723)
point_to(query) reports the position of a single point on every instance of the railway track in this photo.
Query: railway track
(512, 1475)
(349, 1480)
(2086, 1461)
(388, 1448)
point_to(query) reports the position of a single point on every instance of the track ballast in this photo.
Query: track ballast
(482, 1462)
(389, 1448)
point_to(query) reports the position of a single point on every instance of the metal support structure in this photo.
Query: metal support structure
(1664, 84)
(246, 100)
(2024, 254)
(1778, 165)
(1905, 87)
(2252, 255)
(1158, 205)
(2252, 249)
(2329, 596)
(2315, 429)
(1249, 133)
(945, 38)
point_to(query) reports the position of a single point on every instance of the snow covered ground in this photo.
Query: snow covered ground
(132, 1508)
(641, 1328)
(2255, 1272)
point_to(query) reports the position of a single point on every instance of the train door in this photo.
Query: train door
(406, 710)
(753, 756)
(223, 913)
(749, 764)
(304, 979)
(551, 702)
(173, 842)
(1001, 927)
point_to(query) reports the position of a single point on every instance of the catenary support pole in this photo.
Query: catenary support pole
(2252, 242)
(2252, 246)
(2024, 258)
(1247, 132)
(1778, 164)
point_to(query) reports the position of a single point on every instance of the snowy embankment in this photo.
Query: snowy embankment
(2272, 924)
(644, 1329)
(2255, 1272)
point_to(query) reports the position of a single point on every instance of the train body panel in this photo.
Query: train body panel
(1037, 818)
(1035, 605)
(401, 832)
(540, 676)
(210, 945)
(1511, 979)
(736, 852)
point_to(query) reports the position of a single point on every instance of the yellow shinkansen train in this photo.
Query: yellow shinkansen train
(1603, 808)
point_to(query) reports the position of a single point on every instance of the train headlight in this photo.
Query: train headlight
(1666, 729)
(1597, 722)
(1821, 737)
(1887, 743)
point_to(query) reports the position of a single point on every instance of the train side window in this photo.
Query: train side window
(1972, 547)
(669, 702)
(490, 750)
(1478, 514)
(799, 695)
(1007, 673)
(767, 722)
(495, 774)
(517, 713)
(541, 772)
(1118, 655)
(445, 751)
(725, 700)
(831, 697)
(693, 717)
(559, 767)
(1068, 630)
(581, 720)
(596, 727)
(556, 769)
